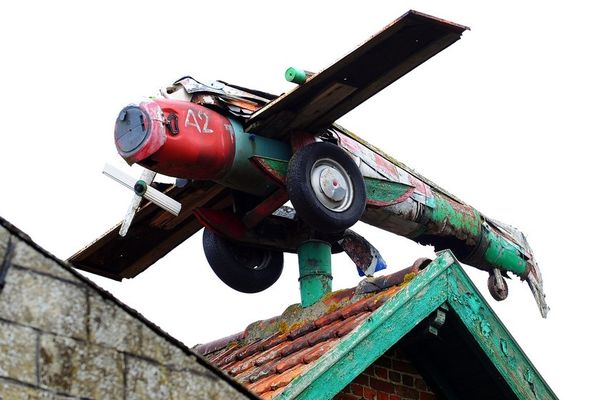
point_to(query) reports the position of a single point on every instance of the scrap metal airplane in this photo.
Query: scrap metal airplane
(241, 154)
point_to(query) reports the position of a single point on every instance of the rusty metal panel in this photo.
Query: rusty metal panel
(396, 50)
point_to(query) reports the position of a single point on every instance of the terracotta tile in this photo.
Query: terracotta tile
(249, 350)
(273, 394)
(359, 306)
(351, 323)
(260, 373)
(295, 345)
(302, 330)
(243, 365)
(325, 333)
(291, 361)
(317, 351)
(339, 296)
(328, 318)
(270, 354)
(276, 381)
(224, 357)
(275, 340)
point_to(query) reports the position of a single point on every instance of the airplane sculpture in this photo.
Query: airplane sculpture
(239, 155)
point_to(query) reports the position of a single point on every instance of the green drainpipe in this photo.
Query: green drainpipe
(314, 259)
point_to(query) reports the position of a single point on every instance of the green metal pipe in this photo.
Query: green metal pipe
(314, 259)
(296, 75)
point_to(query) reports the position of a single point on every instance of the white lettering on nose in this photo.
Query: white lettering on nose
(191, 120)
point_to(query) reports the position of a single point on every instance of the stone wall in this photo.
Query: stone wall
(61, 337)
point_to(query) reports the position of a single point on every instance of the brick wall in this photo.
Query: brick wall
(391, 377)
(62, 337)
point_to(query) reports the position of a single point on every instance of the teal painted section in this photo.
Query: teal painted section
(332, 372)
(444, 281)
(495, 340)
(314, 259)
(295, 75)
(460, 218)
(384, 192)
(500, 252)
(244, 175)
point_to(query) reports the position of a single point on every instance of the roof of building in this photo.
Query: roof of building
(13, 230)
(312, 352)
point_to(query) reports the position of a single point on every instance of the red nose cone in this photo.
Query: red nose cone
(176, 138)
(139, 131)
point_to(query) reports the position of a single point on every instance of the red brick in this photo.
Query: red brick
(403, 366)
(426, 396)
(382, 396)
(344, 396)
(383, 386)
(369, 394)
(407, 393)
(408, 380)
(356, 389)
(346, 390)
(420, 384)
(370, 370)
(381, 372)
(384, 361)
(395, 397)
(395, 376)
(362, 379)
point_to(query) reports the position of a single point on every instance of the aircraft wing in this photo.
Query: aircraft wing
(403, 45)
(153, 233)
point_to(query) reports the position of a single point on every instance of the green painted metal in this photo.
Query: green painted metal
(383, 192)
(278, 167)
(503, 253)
(444, 281)
(243, 174)
(495, 340)
(459, 217)
(359, 349)
(295, 75)
(314, 259)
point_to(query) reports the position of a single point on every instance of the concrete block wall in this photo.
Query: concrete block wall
(391, 377)
(61, 337)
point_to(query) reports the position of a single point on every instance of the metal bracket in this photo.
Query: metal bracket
(437, 320)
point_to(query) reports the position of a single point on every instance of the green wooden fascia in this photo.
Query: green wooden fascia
(494, 339)
(444, 281)
(385, 327)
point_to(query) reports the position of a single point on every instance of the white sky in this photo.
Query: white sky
(505, 119)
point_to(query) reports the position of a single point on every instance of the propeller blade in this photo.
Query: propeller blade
(162, 200)
(147, 176)
(133, 206)
(143, 189)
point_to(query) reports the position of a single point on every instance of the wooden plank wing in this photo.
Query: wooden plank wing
(396, 50)
(153, 234)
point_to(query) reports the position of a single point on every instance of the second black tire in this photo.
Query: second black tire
(245, 269)
(318, 209)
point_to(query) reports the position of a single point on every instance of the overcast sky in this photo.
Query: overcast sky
(506, 119)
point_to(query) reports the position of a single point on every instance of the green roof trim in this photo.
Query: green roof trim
(443, 282)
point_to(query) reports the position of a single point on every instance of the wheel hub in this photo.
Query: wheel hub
(331, 185)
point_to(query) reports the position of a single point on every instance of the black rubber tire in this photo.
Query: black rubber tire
(304, 199)
(497, 294)
(233, 263)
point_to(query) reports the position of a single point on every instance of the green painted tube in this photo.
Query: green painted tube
(314, 259)
(503, 254)
(295, 75)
